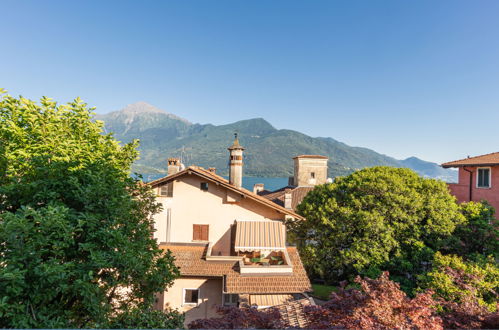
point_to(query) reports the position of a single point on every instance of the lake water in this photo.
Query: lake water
(248, 182)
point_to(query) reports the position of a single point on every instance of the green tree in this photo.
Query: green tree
(478, 234)
(76, 242)
(456, 280)
(380, 218)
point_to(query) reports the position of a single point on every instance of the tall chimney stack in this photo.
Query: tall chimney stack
(236, 163)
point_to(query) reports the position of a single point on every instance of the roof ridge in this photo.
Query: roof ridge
(470, 158)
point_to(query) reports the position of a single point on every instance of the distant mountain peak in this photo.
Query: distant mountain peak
(142, 107)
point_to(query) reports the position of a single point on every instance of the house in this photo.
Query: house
(309, 171)
(478, 179)
(229, 243)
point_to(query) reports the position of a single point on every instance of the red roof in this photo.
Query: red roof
(190, 258)
(483, 160)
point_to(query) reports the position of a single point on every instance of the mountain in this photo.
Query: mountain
(269, 151)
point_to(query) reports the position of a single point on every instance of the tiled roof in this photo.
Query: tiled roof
(294, 312)
(488, 159)
(191, 262)
(311, 156)
(225, 183)
(277, 196)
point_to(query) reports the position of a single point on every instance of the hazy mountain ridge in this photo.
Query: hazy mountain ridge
(269, 151)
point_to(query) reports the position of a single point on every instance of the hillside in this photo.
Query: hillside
(268, 150)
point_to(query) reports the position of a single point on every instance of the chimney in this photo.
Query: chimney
(288, 198)
(258, 187)
(212, 170)
(173, 165)
(236, 163)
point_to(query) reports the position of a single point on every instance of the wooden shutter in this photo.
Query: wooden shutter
(204, 232)
(200, 232)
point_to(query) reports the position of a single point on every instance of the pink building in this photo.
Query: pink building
(478, 179)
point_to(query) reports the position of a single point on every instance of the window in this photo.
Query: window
(204, 186)
(312, 175)
(191, 296)
(231, 299)
(166, 190)
(483, 178)
(200, 232)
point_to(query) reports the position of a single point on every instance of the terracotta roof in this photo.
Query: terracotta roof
(270, 299)
(294, 312)
(225, 183)
(190, 260)
(277, 196)
(488, 159)
(311, 156)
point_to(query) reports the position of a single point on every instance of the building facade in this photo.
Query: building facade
(478, 179)
(309, 171)
(229, 243)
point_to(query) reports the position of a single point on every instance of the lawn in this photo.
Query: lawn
(323, 291)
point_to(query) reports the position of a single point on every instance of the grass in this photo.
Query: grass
(323, 291)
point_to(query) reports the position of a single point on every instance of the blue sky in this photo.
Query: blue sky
(405, 78)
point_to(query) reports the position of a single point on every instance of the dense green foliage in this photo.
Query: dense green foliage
(376, 219)
(455, 279)
(76, 241)
(478, 235)
(268, 150)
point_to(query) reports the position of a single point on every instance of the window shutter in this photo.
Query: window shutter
(196, 234)
(204, 232)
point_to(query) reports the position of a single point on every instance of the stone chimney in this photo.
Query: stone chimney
(212, 170)
(288, 199)
(258, 187)
(236, 163)
(173, 165)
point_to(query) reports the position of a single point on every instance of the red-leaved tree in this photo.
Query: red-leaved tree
(379, 304)
(242, 318)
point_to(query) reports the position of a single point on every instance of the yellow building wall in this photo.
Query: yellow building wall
(217, 207)
(210, 295)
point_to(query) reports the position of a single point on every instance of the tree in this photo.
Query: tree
(478, 234)
(455, 280)
(242, 318)
(379, 304)
(375, 219)
(76, 242)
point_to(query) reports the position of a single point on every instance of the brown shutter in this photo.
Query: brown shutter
(204, 232)
(196, 233)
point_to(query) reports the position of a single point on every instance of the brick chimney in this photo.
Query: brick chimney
(173, 165)
(236, 163)
(288, 199)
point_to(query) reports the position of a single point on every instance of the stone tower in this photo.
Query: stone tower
(236, 163)
(310, 170)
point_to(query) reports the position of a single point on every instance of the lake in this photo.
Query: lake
(248, 181)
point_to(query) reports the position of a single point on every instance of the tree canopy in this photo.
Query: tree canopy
(76, 240)
(379, 218)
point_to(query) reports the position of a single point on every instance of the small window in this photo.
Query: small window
(191, 296)
(166, 190)
(204, 186)
(312, 175)
(200, 232)
(483, 178)
(231, 299)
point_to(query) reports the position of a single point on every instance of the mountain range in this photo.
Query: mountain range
(269, 151)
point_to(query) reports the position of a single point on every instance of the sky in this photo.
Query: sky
(404, 78)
